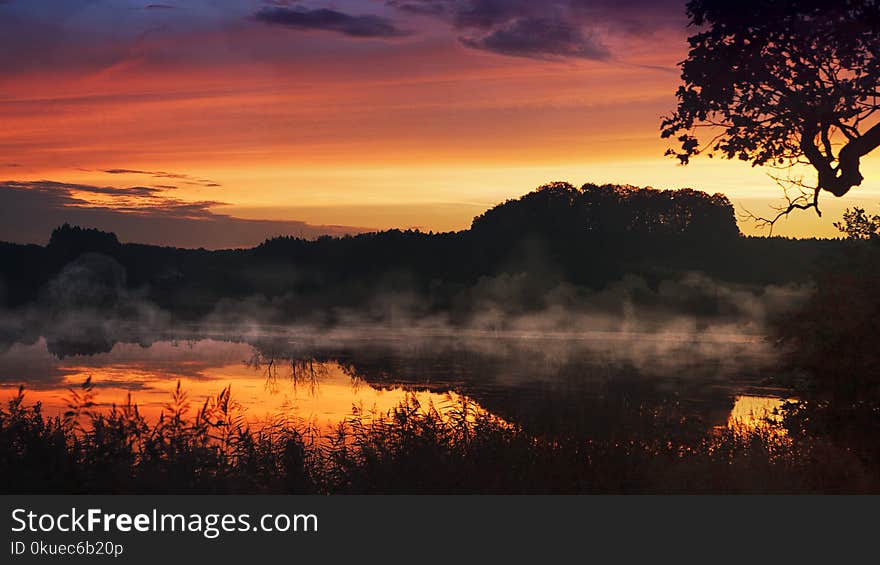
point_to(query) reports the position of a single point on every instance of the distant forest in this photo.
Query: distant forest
(585, 237)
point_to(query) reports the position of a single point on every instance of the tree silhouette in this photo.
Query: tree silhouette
(857, 224)
(782, 83)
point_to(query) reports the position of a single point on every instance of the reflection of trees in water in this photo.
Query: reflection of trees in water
(576, 396)
(301, 373)
(88, 343)
(548, 387)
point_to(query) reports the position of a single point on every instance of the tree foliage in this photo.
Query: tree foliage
(565, 211)
(782, 83)
(857, 224)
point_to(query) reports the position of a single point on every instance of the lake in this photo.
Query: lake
(594, 385)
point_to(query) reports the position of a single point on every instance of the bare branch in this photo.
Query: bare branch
(807, 198)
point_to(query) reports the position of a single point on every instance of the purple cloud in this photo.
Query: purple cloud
(330, 20)
(540, 38)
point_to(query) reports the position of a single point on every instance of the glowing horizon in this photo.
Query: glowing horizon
(382, 117)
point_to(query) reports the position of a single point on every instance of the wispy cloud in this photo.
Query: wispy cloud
(71, 188)
(330, 20)
(554, 29)
(187, 179)
(540, 38)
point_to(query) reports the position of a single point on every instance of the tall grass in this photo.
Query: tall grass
(211, 448)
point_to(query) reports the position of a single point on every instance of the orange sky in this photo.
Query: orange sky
(421, 125)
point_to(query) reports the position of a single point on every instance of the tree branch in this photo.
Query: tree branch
(804, 201)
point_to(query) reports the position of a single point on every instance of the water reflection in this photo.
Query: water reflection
(752, 411)
(589, 389)
(320, 393)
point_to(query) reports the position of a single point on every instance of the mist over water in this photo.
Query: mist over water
(89, 301)
(692, 345)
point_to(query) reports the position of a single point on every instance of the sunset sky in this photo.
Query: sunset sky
(222, 122)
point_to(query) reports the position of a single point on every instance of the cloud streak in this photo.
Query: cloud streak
(187, 179)
(64, 188)
(323, 19)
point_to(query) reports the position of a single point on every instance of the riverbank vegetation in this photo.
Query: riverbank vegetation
(410, 449)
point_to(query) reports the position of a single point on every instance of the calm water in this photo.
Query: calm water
(592, 385)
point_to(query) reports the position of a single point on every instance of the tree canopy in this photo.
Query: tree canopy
(565, 211)
(857, 224)
(782, 83)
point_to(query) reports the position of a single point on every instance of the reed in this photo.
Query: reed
(410, 449)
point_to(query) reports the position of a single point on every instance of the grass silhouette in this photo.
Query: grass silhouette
(409, 449)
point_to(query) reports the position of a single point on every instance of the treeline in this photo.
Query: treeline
(587, 237)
